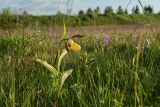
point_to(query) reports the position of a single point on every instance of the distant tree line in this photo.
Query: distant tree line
(9, 20)
(109, 11)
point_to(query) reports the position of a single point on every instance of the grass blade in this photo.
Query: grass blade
(64, 32)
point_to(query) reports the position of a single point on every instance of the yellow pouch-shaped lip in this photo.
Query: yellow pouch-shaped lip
(75, 47)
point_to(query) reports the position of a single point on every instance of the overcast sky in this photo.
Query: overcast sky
(48, 7)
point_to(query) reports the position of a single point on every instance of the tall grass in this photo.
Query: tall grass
(104, 75)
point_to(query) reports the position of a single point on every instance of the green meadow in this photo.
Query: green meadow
(122, 71)
(91, 59)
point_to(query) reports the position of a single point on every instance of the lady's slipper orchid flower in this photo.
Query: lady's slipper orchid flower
(71, 45)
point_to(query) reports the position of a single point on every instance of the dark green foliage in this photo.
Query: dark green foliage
(90, 13)
(126, 11)
(108, 10)
(120, 10)
(135, 10)
(148, 10)
(81, 13)
(97, 11)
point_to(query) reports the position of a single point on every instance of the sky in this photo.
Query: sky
(49, 7)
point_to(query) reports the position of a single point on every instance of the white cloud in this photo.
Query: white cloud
(35, 6)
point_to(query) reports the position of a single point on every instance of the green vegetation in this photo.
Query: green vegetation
(121, 68)
(121, 72)
(136, 10)
(88, 18)
(44, 21)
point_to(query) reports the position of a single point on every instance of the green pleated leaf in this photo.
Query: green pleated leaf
(65, 75)
(61, 57)
(48, 66)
